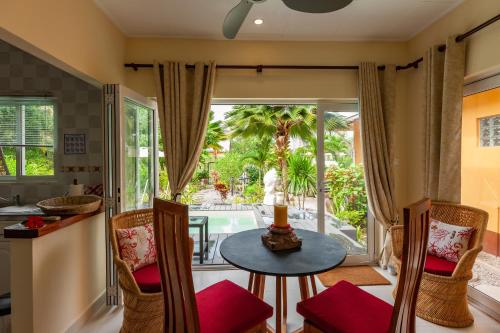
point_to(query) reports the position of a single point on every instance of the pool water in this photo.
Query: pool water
(227, 222)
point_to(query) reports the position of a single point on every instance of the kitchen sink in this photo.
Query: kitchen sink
(21, 210)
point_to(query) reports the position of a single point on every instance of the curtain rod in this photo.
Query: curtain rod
(260, 68)
(458, 39)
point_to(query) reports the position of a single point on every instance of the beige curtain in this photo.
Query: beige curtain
(184, 99)
(377, 107)
(444, 79)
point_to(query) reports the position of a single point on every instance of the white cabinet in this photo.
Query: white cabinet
(4, 266)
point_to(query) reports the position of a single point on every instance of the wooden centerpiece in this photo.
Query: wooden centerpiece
(280, 236)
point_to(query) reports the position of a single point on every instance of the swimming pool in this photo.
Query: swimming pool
(227, 222)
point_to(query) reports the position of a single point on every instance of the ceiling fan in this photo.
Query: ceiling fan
(234, 19)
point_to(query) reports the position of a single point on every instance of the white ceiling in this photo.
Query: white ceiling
(362, 20)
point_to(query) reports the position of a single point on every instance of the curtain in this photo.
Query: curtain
(444, 80)
(377, 107)
(184, 99)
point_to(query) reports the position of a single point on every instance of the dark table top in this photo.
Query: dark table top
(197, 221)
(319, 253)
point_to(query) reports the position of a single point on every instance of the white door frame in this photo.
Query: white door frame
(347, 105)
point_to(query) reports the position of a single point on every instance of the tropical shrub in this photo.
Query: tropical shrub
(253, 194)
(301, 176)
(229, 166)
(222, 189)
(347, 188)
(199, 175)
(348, 194)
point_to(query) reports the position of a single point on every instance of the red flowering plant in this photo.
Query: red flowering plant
(34, 222)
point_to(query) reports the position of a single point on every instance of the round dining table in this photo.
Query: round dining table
(319, 253)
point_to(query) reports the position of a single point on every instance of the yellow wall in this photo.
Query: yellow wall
(57, 277)
(481, 165)
(74, 35)
(483, 56)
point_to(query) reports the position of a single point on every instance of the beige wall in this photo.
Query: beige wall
(270, 84)
(57, 277)
(74, 35)
(483, 56)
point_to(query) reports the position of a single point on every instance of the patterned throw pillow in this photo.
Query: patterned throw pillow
(137, 246)
(448, 241)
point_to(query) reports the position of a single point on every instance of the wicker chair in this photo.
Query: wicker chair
(143, 312)
(443, 299)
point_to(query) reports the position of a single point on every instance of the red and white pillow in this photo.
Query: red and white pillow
(137, 246)
(448, 241)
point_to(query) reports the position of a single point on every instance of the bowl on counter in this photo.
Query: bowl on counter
(80, 204)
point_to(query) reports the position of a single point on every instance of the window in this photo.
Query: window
(489, 129)
(27, 135)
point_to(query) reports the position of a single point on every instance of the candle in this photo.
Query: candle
(280, 216)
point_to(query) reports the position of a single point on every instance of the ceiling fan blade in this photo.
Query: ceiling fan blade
(316, 6)
(234, 19)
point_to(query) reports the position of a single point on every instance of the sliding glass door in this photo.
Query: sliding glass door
(138, 155)
(342, 202)
(131, 159)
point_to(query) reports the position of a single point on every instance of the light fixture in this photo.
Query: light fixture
(258, 21)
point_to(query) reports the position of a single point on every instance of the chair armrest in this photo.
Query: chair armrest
(125, 276)
(464, 265)
(397, 240)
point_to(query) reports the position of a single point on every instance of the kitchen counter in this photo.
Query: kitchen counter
(19, 230)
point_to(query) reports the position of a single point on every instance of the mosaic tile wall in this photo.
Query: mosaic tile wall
(78, 112)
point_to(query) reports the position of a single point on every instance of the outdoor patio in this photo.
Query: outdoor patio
(298, 219)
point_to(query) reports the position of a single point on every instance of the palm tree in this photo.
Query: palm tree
(215, 134)
(261, 156)
(336, 122)
(280, 122)
(302, 173)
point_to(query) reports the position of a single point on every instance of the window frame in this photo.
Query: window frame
(20, 158)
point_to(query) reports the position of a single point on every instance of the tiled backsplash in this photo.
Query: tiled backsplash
(78, 112)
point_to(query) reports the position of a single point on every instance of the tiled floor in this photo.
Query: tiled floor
(108, 320)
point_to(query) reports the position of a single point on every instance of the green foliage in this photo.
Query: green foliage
(347, 188)
(261, 156)
(229, 166)
(200, 174)
(302, 176)
(335, 122)
(253, 174)
(280, 122)
(355, 218)
(348, 194)
(215, 134)
(253, 194)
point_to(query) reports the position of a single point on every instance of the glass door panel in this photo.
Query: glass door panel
(481, 188)
(342, 202)
(138, 156)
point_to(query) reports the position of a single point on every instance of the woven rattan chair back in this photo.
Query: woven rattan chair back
(171, 225)
(464, 216)
(134, 218)
(416, 221)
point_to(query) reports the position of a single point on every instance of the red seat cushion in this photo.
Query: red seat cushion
(345, 308)
(439, 266)
(227, 308)
(148, 278)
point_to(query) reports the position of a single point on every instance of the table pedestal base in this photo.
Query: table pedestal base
(256, 285)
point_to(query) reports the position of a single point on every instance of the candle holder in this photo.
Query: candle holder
(281, 238)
